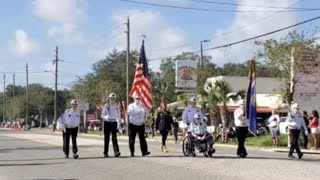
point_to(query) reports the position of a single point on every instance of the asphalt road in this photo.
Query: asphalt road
(38, 155)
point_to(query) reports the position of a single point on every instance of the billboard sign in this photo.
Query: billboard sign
(186, 75)
(307, 86)
(91, 117)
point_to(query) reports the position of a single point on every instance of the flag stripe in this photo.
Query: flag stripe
(141, 84)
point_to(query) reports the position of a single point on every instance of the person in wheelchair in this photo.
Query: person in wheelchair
(201, 136)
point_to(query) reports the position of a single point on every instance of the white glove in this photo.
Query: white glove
(306, 133)
(118, 126)
(198, 137)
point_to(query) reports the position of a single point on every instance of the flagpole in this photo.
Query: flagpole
(128, 58)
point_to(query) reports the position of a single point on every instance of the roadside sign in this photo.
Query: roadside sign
(83, 106)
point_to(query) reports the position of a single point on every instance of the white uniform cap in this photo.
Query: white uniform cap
(241, 102)
(197, 116)
(295, 105)
(73, 101)
(112, 95)
(193, 99)
(137, 96)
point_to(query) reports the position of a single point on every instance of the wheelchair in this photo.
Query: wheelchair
(189, 147)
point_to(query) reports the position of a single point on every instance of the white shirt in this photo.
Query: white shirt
(111, 113)
(189, 112)
(199, 129)
(295, 121)
(238, 114)
(274, 120)
(70, 118)
(137, 113)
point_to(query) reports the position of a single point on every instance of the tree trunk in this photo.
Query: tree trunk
(224, 116)
(40, 126)
(215, 116)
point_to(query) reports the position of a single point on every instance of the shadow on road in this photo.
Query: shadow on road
(49, 179)
(45, 148)
(32, 164)
(45, 159)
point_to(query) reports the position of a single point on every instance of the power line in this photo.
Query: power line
(73, 62)
(240, 28)
(215, 10)
(246, 5)
(248, 39)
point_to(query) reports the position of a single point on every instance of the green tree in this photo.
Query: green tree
(277, 54)
(220, 92)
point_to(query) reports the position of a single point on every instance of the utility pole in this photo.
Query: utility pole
(201, 52)
(27, 96)
(128, 59)
(3, 99)
(13, 94)
(56, 84)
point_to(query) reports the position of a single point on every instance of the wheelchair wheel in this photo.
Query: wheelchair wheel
(185, 146)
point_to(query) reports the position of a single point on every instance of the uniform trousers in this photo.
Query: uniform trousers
(110, 128)
(133, 130)
(294, 137)
(73, 132)
(242, 133)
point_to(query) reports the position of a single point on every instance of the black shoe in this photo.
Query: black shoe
(300, 155)
(66, 156)
(117, 154)
(243, 155)
(291, 157)
(75, 156)
(132, 154)
(106, 155)
(145, 154)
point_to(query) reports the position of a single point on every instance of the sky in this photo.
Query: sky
(85, 31)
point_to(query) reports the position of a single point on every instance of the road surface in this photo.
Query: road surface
(38, 155)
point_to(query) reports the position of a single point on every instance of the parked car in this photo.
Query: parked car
(262, 126)
(283, 127)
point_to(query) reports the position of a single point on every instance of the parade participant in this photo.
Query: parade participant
(112, 121)
(137, 113)
(200, 133)
(241, 123)
(295, 122)
(163, 124)
(69, 123)
(190, 111)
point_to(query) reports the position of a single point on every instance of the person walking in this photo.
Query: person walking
(175, 128)
(112, 121)
(69, 123)
(163, 124)
(241, 123)
(137, 113)
(295, 122)
(305, 137)
(314, 123)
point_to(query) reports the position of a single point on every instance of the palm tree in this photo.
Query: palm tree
(224, 93)
(209, 101)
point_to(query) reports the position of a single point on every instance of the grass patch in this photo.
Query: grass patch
(266, 141)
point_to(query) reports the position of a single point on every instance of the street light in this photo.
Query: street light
(201, 52)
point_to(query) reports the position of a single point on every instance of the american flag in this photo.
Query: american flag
(141, 83)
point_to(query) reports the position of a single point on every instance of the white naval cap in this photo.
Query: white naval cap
(193, 99)
(137, 96)
(112, 95)
(295, 105)
(196, 116)
(241, 102)
(74, 101)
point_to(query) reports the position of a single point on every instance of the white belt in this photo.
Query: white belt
(111, 120)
